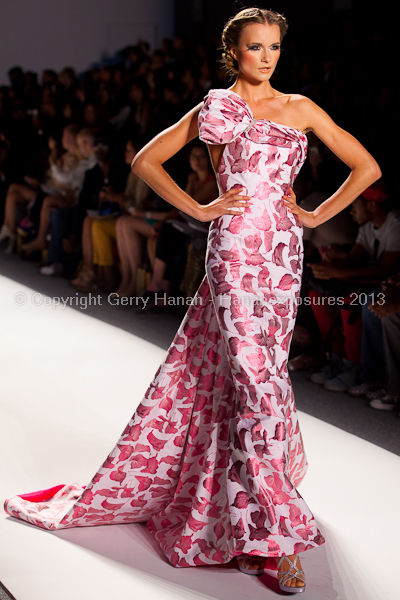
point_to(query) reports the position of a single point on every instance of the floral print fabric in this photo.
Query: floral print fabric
(213, 454)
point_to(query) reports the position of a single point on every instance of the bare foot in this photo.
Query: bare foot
(252, 563)
(81, 281)
(33, 247)
(285, 566)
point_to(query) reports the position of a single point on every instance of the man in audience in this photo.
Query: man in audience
(374, 256)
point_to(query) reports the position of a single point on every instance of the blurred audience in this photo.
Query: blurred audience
(374, 256)
(65, 188)
(183, 237)
(66, 180)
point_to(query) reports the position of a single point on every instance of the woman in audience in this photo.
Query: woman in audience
(175, 235)
(66, 181)
(32, 191)
(130, 231)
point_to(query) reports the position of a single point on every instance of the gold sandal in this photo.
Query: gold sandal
(85, 277)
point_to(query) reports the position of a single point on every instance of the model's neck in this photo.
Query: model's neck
(254, 92)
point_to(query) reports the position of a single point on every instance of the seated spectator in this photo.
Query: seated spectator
(374, 256)
(103, 275)
(107, 172)
(176, 235)
(130, 231)
(66, 182)
(336, 235)
(65, 220)
(32, 191)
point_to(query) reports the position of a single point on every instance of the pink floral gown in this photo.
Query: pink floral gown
(213, 454)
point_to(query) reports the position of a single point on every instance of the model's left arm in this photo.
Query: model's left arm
(364, 168)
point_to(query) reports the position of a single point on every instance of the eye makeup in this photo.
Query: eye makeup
(257, 47)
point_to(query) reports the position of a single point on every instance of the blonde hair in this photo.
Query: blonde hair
(234, 27)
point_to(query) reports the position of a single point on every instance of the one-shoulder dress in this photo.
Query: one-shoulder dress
(213, 454)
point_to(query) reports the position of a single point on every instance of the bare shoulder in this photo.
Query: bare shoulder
(345, 146)
(312, 116)
(301, 102)
(296, 98)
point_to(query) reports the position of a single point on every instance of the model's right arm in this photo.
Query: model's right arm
(148, 165)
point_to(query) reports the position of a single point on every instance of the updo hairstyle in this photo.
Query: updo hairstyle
(234, 27)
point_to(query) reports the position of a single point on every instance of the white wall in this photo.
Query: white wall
(40, 34)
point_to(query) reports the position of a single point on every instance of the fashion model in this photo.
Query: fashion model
(212, 457)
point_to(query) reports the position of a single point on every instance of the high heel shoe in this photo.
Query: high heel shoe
(12, 242)
(284, 576)
(5, 233)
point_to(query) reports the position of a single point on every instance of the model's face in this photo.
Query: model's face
(258, 51)
(359, 211)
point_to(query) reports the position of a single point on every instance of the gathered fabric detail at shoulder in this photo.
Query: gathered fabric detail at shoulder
(223, 117)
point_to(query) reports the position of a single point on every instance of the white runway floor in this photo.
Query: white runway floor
(68, 386)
